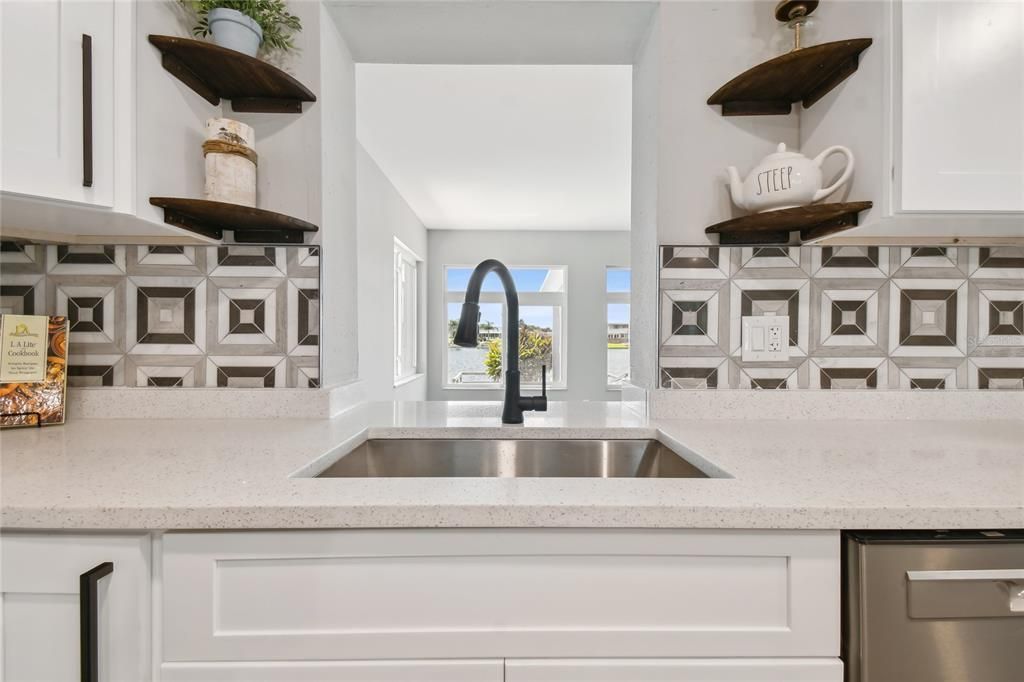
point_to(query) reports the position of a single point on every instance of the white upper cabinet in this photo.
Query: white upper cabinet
(961, 116)
(46, 49)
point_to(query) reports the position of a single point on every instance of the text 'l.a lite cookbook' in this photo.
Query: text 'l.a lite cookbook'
(33, 370)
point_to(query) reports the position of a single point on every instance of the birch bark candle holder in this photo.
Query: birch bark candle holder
(230, 162)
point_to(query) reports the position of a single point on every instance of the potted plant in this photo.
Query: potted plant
(245, 25)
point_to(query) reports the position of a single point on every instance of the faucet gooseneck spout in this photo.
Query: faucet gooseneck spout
(466, 336)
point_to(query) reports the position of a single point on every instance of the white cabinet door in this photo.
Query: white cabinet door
(40, 606)
(675, 670)
(962, 104)
(43, 128)
(337, 671)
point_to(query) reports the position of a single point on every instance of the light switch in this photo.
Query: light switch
(765, 338)
(757, 338)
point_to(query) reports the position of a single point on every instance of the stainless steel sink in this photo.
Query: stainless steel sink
(381, 458)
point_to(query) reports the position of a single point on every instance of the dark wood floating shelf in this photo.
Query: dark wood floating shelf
(813, 222)
(250, 225)
(805, 75)
(251, 84)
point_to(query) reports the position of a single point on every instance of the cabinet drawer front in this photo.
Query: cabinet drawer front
(675, 670)
(297, 595)
(337, 671)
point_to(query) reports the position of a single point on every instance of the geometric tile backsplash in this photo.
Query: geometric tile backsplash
(860, 317)
(175, 316)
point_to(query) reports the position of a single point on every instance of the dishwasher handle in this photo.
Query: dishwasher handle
(995, 593)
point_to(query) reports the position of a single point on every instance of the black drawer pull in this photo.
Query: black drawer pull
(86, 110)
(88, 620)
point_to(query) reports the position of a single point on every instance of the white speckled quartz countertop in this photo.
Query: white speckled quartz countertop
(233, 473)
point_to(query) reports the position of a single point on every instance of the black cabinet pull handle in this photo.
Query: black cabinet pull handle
(86, 110)
(88, 620)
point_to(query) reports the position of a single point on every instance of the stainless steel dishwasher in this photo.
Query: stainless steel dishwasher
(933, 606)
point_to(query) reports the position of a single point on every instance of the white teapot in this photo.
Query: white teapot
(785, 180)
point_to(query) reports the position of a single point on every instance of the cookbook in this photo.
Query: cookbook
(33, 370)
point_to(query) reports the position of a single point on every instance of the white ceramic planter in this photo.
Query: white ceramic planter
(235, 31)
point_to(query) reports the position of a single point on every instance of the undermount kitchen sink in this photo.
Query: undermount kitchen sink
(416, 458)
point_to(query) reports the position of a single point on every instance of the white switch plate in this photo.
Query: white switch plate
(765, 338)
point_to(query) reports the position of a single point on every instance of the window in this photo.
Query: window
(542, 341)
(617, 292)
(406, 314)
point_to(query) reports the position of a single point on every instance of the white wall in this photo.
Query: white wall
(681, 146)
(585, 254)
(339, 342)
(383, 215)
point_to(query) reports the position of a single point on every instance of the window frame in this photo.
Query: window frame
(615, 297)
(403, 371)
(559, 300)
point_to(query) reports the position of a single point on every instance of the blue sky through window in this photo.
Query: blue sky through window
(618, 312)
(618, 280)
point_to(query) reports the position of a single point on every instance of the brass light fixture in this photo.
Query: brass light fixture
(795, 14)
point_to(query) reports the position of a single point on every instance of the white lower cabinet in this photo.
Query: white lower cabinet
(337, 671)
(675, 670)
(454, 604)
(42, 610)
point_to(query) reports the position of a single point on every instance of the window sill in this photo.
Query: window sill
(408, 380)
(499, 387)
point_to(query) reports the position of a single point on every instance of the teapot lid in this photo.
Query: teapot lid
(781, 153)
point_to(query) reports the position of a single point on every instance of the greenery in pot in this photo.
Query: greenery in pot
(278, 25)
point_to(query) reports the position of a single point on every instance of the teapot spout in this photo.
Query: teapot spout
(736, 186)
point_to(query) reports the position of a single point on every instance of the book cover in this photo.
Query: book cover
(33, 370)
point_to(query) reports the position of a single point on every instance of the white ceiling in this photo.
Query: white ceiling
(502, 147)
(492, 32)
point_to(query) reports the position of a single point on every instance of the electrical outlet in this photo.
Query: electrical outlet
(765, 338)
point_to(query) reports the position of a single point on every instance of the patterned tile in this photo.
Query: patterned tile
(85, 260)
(927, 375)
(849, 320)
(95, 308)
(996, 373)
(22, 295)
(996, 262)
(165, 371)
(768, 378)
(693, 372)
(790, 297)
(246, 316)
(898, 318)
(303, 372)
(846, 373)
(850, 261)
(304, 261)
(927, 317)
(303, 316)
(996, 316)
(18, 258)
(95, 370)
(171, 261)
(160, 315)
(166, 316)
(696, 262)
(245, 371)
(248, 261)
(690, 317)
(929, 261)
(769, 261)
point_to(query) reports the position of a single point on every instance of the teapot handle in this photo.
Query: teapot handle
(820, 158)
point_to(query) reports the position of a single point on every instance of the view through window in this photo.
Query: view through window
(617, 288)
(541, 328)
